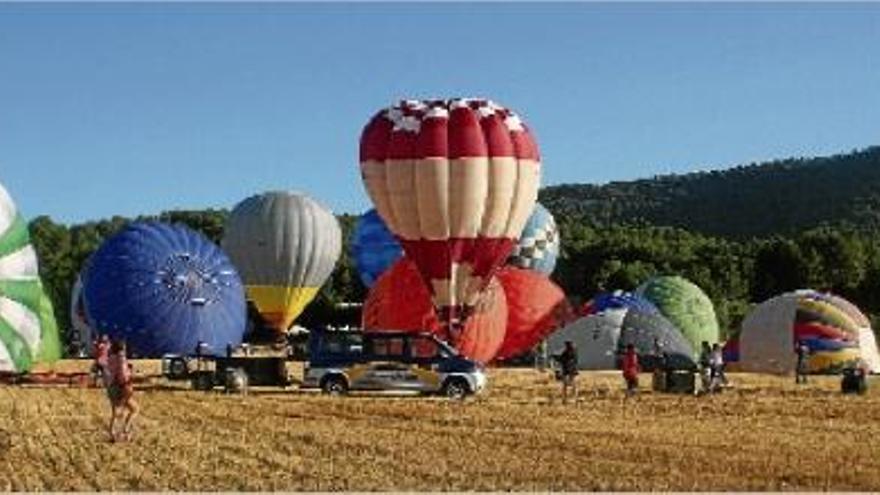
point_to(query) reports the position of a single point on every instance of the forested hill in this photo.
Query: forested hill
(779, 197)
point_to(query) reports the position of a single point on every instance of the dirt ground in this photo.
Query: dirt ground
(764, 434)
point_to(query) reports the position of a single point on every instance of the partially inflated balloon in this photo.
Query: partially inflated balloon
(164, 289)
(837, 333)
(455, 181)
(535, 308)
(538, 246)
(28, 332)
(601, 338)
(400, 301)
(285, 246)
(686, 306)
(373, 247)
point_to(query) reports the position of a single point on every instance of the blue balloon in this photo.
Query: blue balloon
(374, 247)
(163, 289)
(621, 300)
(538, 245)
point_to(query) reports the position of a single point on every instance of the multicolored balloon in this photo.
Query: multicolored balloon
(836, 332)
(373, 247)
(538, 245)
(535, 308)
(400, 301)
(455, 181)
(28, 331)
(164, 289)
(285, 245)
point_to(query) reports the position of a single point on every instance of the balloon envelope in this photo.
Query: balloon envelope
(535, 308)
(836, 332)
(285, 246)
(618, 300)
(601, 338)
(686, 306)
(400, 301)
(373, 247)
(538, 246)
(455, 181)
(28, 331)
(163, 289)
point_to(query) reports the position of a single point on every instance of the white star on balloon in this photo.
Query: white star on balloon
(485, 112)
(513, 122)
(394, 114)
(415, 104)
(437, 113)
(408, 123)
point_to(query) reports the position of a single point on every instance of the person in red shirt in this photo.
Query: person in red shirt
(631, 370)
(100, 351)
(120, 391)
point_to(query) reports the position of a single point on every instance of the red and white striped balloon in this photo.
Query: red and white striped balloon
(455, 181)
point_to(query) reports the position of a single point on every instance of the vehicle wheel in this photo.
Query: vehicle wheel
(178, 369)
(236, 381)
(334, 385)
(456, 388)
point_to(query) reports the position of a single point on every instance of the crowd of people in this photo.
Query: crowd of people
(710, 367)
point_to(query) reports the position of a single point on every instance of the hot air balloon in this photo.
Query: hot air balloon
(455, 181)
(285, 246)
(400, 301)
(535, 308)
(538, 244)
(28, 332)
(164, 289)
(837, 333)
(602, 336)
(373, 247)
(686, 306)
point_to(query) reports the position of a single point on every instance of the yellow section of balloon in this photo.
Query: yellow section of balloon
(280, 306)
(832, 361)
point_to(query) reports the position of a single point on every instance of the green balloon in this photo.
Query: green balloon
(686, 306)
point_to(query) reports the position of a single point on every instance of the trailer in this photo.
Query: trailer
(239, 369)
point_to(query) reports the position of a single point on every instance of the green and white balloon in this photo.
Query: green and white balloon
(28, 331)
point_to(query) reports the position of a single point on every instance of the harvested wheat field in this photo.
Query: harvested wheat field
(764, 434)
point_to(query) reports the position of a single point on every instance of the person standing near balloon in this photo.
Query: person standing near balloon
(803, 353)
(631, 370)
(568, 370)
(120, 391)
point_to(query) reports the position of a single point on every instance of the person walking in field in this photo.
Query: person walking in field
(120, 391)
(100, 351)
(704, 363)
(631, 368)
(803, 354)
(568, 370)
(716, 365)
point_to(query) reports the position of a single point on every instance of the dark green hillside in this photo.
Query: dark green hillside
(779, 197)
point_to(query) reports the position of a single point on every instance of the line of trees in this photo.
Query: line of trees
(734, 273)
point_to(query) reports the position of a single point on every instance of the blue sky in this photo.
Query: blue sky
(138, 108)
